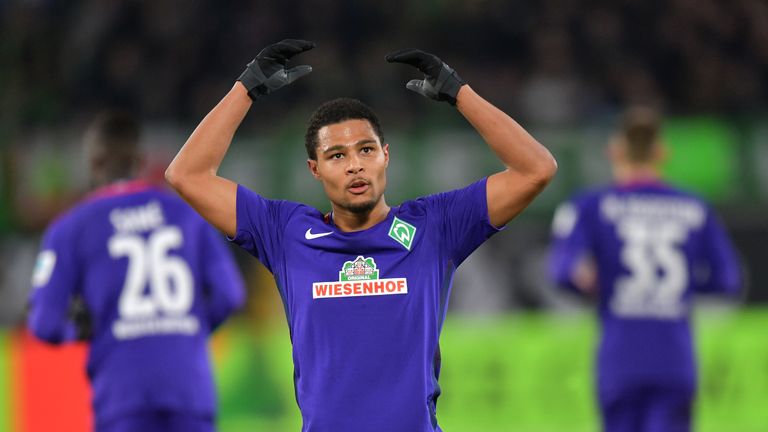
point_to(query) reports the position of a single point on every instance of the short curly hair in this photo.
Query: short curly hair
(337, 111)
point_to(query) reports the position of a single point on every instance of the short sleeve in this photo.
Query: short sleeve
(462, 216)
(260, 225)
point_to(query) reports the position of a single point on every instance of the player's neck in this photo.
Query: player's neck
(103, 178)
(637, 173)
(349, 221)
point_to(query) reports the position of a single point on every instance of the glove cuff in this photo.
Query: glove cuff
(449, 84)
(252, 82)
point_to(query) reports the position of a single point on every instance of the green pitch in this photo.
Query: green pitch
(524, 373)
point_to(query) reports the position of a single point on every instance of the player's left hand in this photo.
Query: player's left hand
(440, 82)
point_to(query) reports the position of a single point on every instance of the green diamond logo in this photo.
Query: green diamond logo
(402, 232)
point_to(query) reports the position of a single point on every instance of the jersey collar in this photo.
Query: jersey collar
(120, 187)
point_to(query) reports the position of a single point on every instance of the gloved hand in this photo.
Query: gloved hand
(440, 82)
(267, 72)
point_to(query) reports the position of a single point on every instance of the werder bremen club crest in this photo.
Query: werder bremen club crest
(402, 232)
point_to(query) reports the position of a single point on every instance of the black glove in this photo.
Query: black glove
(440, 82)
(267, 72)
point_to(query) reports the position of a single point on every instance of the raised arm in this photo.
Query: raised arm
(529, 166)
(193, 172)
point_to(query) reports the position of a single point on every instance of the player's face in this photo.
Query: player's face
(351, 164)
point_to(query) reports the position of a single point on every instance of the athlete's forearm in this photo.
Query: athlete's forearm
(515, 147)
(530, 166)
(193, 172)
(205, 149)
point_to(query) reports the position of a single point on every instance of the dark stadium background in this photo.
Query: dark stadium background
(517, 353)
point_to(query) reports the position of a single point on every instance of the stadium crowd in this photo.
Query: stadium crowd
(556, 62)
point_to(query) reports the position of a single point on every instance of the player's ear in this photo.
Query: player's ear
(312, 165)
(385, 149)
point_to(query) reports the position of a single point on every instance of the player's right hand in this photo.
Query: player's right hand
(267, 72)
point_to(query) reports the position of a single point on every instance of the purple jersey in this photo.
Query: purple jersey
(156, 280)
(653, 246)
(365, 308)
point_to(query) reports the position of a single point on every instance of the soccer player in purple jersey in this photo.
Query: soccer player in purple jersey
(642, 248)
(366, 286)
(150, 277)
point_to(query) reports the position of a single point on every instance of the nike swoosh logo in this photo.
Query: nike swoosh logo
(309, 236)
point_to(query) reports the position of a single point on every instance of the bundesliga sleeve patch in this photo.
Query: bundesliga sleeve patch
(565, 219)
(359, 278)
(46, 261)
